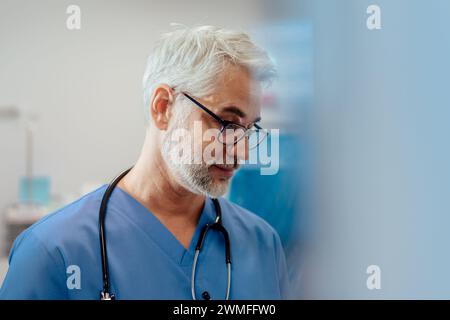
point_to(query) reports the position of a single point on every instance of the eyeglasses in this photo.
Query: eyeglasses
(231, 132)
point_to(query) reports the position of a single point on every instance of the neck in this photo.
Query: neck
(150, 183)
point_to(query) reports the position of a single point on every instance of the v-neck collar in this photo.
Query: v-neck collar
(150, 224)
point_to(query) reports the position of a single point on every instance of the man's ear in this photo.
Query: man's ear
(161, 106)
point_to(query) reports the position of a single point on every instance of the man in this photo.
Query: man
(195, 76)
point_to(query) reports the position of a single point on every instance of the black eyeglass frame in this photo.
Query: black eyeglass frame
(225, 123)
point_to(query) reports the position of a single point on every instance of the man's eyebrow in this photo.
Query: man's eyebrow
(235, 110)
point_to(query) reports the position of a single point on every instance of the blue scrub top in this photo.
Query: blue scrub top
(59, 256)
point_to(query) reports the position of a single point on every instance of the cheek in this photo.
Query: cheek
(195, 131)
(211, 148)
(204, 143)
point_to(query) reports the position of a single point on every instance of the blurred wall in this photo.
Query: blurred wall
(380, 127)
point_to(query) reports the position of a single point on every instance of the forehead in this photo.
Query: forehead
(236, 87)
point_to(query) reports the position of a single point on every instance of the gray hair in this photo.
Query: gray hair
(191, 58)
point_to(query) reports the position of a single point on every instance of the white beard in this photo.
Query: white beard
(194, 177)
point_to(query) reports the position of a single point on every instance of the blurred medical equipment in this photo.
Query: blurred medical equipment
(34, 192)
(18, 217)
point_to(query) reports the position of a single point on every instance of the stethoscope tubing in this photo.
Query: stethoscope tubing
(106, 294)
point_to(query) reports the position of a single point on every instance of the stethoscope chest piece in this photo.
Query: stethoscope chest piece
(107, 296)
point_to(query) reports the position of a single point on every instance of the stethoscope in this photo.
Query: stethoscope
(106, 294)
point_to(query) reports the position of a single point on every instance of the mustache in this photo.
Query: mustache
(227, 166)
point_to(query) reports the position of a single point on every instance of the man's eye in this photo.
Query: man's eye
(231, 119)
(236, 121)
